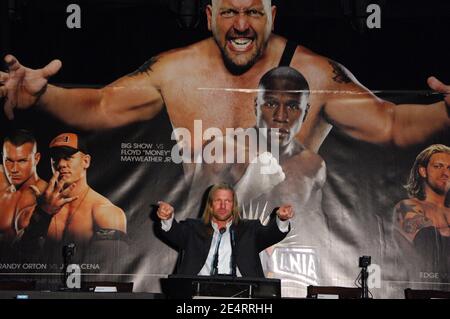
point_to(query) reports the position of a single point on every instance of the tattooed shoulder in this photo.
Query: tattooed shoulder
(415, 223)
(340, 74)
(146, 67)
(416, 219)
(408, 206)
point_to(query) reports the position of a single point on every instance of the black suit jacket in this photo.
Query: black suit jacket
(193, 240)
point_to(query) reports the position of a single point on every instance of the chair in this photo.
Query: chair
(426, 294)
(17, 285)
(120, 286)
(340, 292)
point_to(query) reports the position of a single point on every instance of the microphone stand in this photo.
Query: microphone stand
(68, 252)
(364, 286)
(364, 262)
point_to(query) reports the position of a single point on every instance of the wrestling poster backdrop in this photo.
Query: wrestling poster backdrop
(351, 135)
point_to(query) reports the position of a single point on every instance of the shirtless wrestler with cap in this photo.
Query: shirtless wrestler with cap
(69, 209)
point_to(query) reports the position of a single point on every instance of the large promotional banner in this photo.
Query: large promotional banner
(339, 109)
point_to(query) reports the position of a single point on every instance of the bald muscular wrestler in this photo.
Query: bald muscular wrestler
(189, 82)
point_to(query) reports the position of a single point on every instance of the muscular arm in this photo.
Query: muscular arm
(132, 98)
(108, 216)
(339, 99)
(110, 241)
(410, 219)
(26, 206)
(37, 228)
(364, 116)
(22, 219)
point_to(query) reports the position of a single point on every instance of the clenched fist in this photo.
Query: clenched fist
(165, 211)
(285, 212)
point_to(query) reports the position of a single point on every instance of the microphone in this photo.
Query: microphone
(215, 270)
(68, 253)
(233, 252)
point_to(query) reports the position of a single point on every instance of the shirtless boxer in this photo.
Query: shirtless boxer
(190, 83)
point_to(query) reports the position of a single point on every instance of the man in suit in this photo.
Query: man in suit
(221, 242)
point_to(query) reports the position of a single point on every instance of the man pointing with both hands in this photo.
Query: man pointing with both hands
(221, 242)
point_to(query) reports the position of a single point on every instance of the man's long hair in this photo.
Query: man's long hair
(208, 212)
(414, 185)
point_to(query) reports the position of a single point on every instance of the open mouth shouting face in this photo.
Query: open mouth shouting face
(241, 29)
(241, 47)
